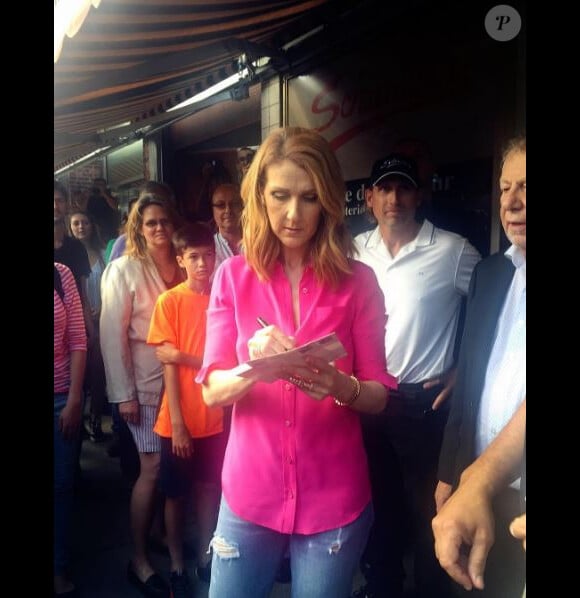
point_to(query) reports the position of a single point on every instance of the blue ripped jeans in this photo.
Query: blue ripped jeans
(65, 459)
(246, 557)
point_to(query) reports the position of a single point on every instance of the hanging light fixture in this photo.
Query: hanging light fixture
(69, 15)
(246, 70)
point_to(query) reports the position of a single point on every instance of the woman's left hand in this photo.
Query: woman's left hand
(318, 379)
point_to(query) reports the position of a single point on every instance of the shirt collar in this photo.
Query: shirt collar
(516, 255)
(278, 270)
(424, 236)
(221, 239)
(374, 238)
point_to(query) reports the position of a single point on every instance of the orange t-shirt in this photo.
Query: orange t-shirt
(179, 318)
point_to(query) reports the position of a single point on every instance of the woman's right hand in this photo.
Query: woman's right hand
(130, 412)
(269, 341)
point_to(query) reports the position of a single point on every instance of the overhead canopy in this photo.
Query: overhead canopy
(132, 60)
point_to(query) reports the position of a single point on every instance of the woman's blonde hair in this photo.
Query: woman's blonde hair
(136, 244)
(332, 243)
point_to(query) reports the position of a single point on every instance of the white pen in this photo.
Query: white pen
(262, 322)
(296, 380)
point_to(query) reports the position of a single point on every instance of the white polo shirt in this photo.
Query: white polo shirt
(423, 287)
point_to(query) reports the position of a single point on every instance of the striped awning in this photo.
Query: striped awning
(132, 60)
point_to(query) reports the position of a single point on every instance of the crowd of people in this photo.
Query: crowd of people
(404, 456)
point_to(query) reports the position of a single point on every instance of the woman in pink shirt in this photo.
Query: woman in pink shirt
(295, 472)
(70, 353)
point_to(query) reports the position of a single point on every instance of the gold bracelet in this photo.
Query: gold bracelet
(353, 398)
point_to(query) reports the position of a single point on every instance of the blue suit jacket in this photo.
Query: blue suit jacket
(488, 288)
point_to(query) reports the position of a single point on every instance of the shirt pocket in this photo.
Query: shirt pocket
(331, 318)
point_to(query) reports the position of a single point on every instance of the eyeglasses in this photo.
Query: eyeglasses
(163, 222)
(233, 206)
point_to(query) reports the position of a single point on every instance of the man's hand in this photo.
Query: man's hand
(442, 493)
(464, 533)
(448, 381)
(518, 529)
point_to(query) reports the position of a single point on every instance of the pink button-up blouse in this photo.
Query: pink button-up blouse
(294, 464)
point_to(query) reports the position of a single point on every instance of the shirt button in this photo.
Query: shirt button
(290, 460)
(305, 290)
(291, 494)
(288, 387)
(287, 423)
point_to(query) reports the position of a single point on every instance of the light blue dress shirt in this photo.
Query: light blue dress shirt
(505, 380)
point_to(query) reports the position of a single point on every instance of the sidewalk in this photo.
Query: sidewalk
(101, 536)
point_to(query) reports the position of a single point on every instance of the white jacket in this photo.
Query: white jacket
(129, 290)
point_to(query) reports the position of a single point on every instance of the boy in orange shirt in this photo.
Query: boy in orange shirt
(192, 439)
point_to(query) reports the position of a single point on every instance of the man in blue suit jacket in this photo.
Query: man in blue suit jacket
(491, 373)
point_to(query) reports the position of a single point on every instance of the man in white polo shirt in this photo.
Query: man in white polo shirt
(424, 273)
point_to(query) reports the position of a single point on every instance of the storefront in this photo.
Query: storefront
(452, 93)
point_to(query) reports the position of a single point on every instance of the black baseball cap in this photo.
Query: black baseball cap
(394, 165)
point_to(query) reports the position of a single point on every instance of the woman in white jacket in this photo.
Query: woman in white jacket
(130, 286)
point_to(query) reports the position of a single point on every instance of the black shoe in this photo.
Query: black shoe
(204, 573)
(180, 585)
(284, 574)
(154, 586)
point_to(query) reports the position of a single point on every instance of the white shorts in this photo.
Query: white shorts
(145, 438)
